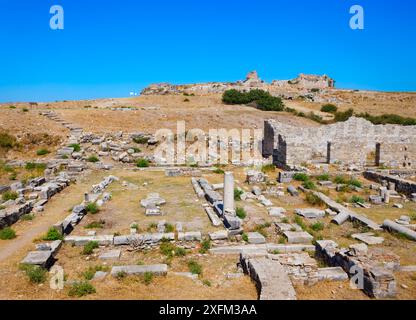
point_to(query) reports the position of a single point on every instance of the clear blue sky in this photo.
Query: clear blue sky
(110, 48)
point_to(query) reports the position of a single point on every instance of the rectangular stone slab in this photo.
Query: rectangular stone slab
(298, 237)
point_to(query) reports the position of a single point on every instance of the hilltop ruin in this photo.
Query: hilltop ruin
(252, 81)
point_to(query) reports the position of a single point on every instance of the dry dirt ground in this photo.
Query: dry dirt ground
(150, 113)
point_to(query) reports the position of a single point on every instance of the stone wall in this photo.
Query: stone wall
(252, 81)
(354, 142)
(402, 186)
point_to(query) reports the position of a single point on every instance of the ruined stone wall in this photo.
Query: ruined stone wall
(401, 185)
(356, 141)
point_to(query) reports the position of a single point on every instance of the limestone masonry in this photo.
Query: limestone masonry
(252, 81)
(354, 142)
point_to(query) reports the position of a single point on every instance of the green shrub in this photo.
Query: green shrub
(301, 177)
(186, 100)
(323, 177)
(141, 140)
(180, 252)
(245, 237)
(12, 107)
(241, 213)
(147, 278)
(80, 289)
(300, 222)
(329, 108)
(314, 199)
(357, 199)
(309, 185)
(194, 267)
(42, 152)
(340, 180)
(92, 208)
(10, 195)
(90, 273)
(355, 183)
(89, 247)
(218, 171)
(167, 249)
(170, 228)
(142, 163)
(27, 217)
(315, 117)
(205, 246)
(264, 100)
(343, 116)
(7, 234)
(95, 225)
(53, 235)
(7, 141)
(35, 166)
(93, 159)
(77, 147)
(206, 283)
(318, 226)
(237, 194)
(270, 103)
(268, 168)
(36, 274)
(121, 275)
(388, 119)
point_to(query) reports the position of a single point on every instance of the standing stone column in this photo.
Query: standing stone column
(229, 193)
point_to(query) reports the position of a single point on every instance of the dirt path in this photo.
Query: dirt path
(56, 210)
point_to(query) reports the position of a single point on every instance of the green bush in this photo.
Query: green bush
(329, 108)
(92, 208)
(121, 275)
(245, 237)
(355, 183)
(53, 235)
(141, 140)
(80, 289)
(205, 246)
(35, 274)
(7, 141)
(89, 247)
(194, 267)
(241, 213)
(180, 252)
(77, 147)
(147, 278)
(12, 107)
(323, 177)
(219, 171)
(207, 283)
(95, 225)
(270, 103)
(318, 226)
(170, 228)
(27, 217)
(268, 168)
(340, 180)
(42, 152)
(186, 100)
(388, 119)
(314, 199)
(167, 249)
(343, 116)
(7, 234)
(301, 177)
(264, 100)
(35, 166)
(10, 195)
(309, 185)
(357, 199)
(90, 273)
(93, 159)
(237, 194)
(142, 163)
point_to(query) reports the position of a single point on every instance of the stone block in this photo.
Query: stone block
(219, 235)
(255, 238)
(43, 259)
(310, 213)
(111, 255)
(298, 237)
